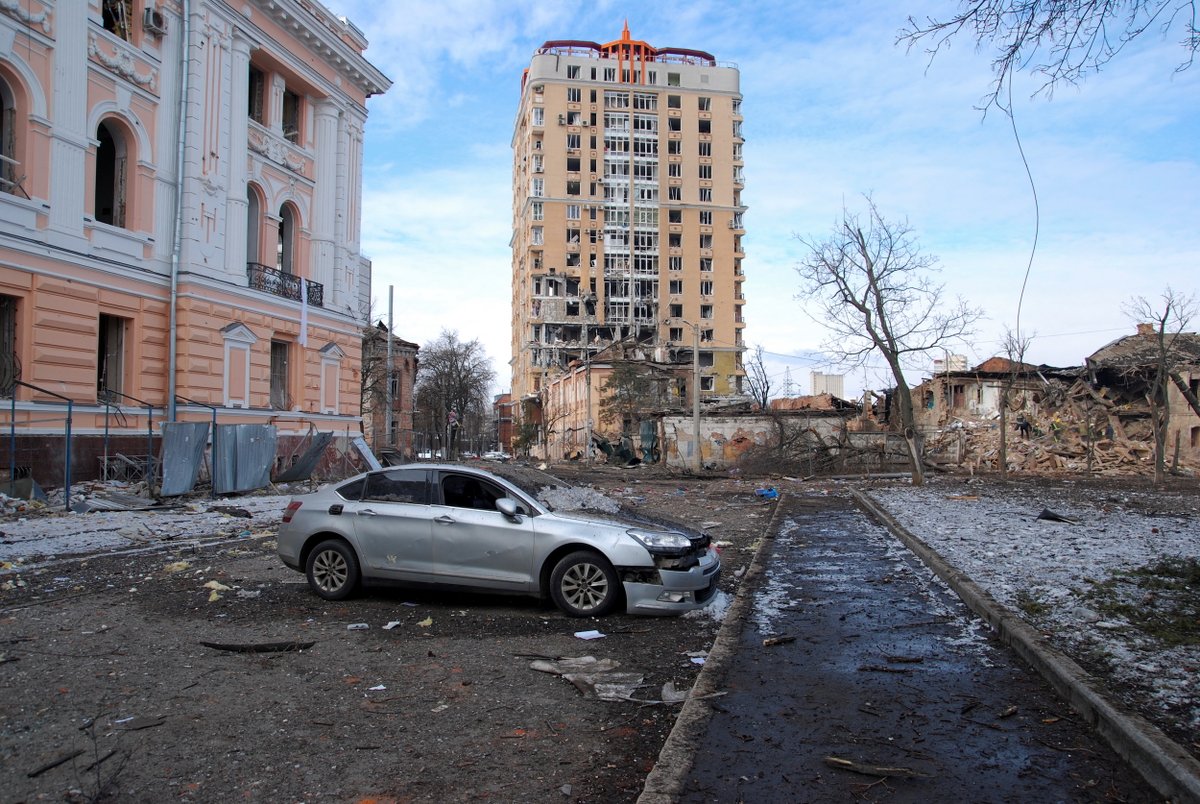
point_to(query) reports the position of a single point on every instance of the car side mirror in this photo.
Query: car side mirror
(508, 506)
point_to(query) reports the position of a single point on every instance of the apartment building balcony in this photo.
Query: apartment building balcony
(287, 286)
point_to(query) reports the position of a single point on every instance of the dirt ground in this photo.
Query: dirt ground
(110, 692)
(105, 672)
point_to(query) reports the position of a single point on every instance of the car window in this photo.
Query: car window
(353, 490)
(466, 491)
(398, 485)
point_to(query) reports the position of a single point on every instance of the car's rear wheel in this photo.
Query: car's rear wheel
(584, 584)
(333, 570)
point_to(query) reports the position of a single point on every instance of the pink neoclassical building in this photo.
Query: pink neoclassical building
(180, 190)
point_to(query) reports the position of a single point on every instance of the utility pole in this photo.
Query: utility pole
(696, 461)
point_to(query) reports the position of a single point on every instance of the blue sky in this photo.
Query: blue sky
(833, 109)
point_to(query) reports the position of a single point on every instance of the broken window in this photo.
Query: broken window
(10, 175)
(706, 241)
(572, 164)
(706, 171)
(111, 169)
(705, 148)
(706, 217)
(705, 126)
(572, 71)
(674, 124)
(707, 383)
(675, 240)
(645, 100)
(257, 96)
(291, 116)
(117, 18)
(706, 194)
(9, 364)
(676, 311)
(573, 141)
(574, 94)
(675, 216)
(572, 188)
(675, 263)
(706, 336)
(573, 236)
(676, 286)
(674, 193)
(110, 355)
(280, 353)
(704, 104)
(285, 251)
(674, 147)
(706, 264)
(675, 334)
(706, 288)
(675, 170)
(706, 359)
(706, 311)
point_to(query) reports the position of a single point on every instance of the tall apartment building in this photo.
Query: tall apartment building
(823, 383)
(180, 191)
(627, 213)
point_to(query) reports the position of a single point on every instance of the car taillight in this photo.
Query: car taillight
(292, 508)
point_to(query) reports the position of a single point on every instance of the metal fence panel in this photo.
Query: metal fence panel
(302, 469)
(183, 445)
(245, 454)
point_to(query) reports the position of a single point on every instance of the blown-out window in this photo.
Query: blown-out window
(111, 175)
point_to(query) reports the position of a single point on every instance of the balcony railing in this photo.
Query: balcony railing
(287, 286)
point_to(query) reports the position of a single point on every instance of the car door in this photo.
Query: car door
(392, 524)
(473, 543)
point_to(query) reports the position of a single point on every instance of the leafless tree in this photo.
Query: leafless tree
(1169, 316)
(758, 379)
(454, 377)
(1063, 40)
(1015, 346)
(874, 292)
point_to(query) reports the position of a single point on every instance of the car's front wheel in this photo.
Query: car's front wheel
(584, 584)
(333, 570)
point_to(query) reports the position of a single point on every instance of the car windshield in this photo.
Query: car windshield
(555, 493)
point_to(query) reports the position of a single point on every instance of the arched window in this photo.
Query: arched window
(254, 221)
(11, 174)
(285, 254)
(111, 172)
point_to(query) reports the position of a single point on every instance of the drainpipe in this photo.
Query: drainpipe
(177, 240)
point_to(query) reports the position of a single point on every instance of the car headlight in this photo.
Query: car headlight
(661, 542)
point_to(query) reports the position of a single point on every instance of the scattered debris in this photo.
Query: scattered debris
(593, 677)
(1050, 516)
(589, 635)
(260, 647)
(358, 626)
(771, 642)
(873, 770)
(54, 763)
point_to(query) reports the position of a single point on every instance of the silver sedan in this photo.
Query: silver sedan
(507, 529)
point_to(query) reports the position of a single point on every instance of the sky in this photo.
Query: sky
(834, 110)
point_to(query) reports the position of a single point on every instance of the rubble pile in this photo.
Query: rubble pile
(1078, 429)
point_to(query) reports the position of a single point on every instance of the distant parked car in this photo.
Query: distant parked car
(496, 455)
(507, 529)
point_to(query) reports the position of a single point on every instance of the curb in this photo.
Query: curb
(666, 780)
(1163, 763)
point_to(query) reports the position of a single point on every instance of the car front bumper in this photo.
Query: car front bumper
(678, 591)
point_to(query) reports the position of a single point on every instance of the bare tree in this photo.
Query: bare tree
(629, 392)
(1168, 318)
(1015, 346)
(1064, 40)
(454, 382)
(875, 294)
(758, 379)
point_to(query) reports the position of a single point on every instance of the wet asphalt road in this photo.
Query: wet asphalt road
(888, 669)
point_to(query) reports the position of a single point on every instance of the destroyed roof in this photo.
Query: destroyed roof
(1132, 351)
(817, 402)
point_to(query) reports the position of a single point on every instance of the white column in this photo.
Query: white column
(235, 201)
(325, 196)
(71, 140)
